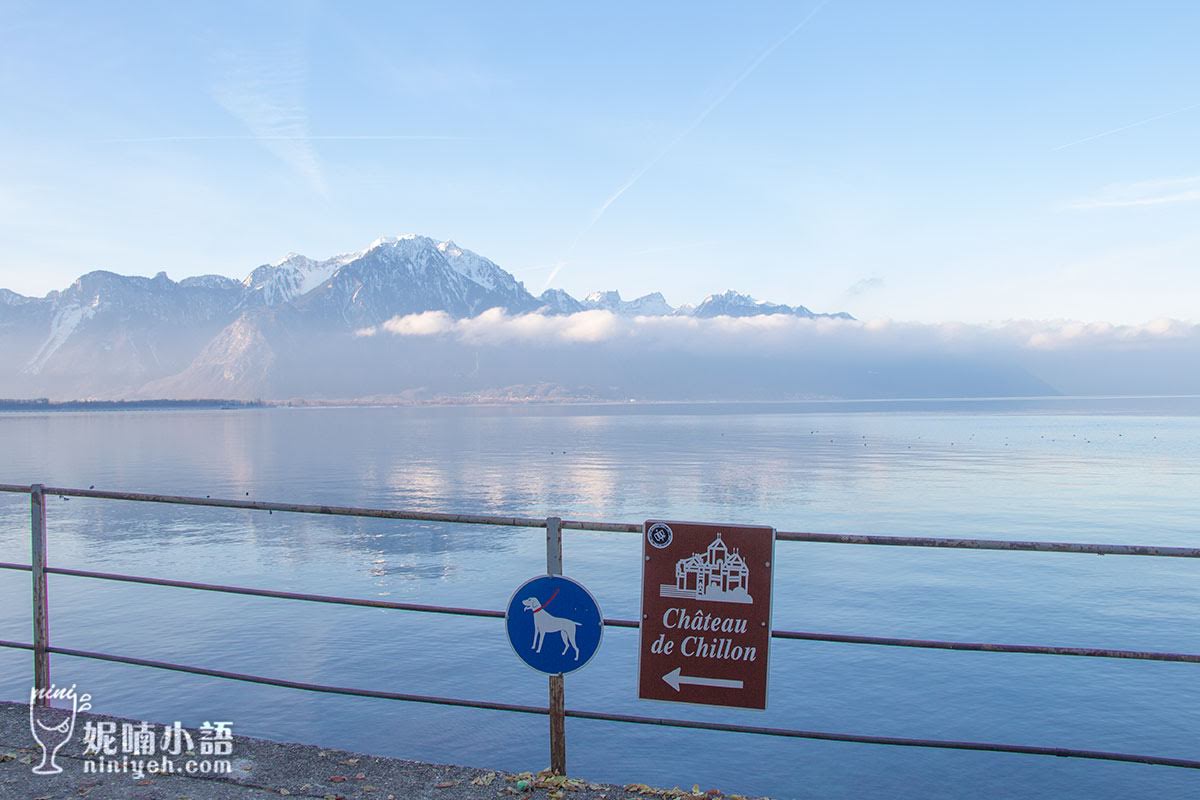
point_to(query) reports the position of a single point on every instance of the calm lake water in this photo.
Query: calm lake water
(1097, 471)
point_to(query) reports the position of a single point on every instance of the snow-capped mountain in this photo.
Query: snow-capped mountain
(290, 277)
(408, 275)
(483, 272)
(734, 304)
(556, 301)
(648, 305)
(110, 335)
(728, 304)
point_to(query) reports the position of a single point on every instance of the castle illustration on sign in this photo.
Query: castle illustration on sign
(718, 575)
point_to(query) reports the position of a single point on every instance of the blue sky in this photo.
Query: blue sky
(926, 161)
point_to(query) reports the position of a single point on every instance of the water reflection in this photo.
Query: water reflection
(1109, 475)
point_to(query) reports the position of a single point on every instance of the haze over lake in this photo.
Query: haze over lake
(1118, 470)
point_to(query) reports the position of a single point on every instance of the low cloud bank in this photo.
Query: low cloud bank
(784, 354)
(780, 330)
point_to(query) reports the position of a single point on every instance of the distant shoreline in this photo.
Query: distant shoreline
(42, 404)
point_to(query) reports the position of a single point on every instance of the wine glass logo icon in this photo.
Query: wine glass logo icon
(53, 727)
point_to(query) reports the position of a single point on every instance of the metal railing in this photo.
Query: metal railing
(556, 709)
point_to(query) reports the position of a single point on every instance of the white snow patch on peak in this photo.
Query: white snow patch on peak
(649, 305)
(384, 241)
(290, 258)
(293, 276)
(315, 276)
(475, 267)
(731, 298)
(61, 327)
(303, 261)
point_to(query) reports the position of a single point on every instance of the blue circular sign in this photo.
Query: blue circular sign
(554, 624)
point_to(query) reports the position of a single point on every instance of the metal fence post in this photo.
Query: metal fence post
(558, 717)
(41, 617)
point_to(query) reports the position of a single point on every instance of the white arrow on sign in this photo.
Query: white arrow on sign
(674, 679)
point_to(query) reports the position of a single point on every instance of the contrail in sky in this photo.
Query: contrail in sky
(1127, 127)
(695, 123)
(264, 91)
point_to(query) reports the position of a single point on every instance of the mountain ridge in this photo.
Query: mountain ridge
(295, 275)
(294, 328)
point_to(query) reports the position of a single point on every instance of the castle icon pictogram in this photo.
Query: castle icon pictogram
(719, 574)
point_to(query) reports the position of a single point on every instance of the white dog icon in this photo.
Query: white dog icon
(544, 622)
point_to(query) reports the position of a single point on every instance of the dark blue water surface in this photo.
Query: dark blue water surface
(1083, 470)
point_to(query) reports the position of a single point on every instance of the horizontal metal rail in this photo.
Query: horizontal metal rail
(933, 541)
(945, 744)
(621, 527)
(992, 544)
(258, 505)
(312, 598)
(601, 527)
(986, 647)
(556, 711)
(992, 647)
(284, 683)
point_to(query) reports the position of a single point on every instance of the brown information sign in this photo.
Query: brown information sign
(706, 613)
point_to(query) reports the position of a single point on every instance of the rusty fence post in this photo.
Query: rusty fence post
(558, 717)
(41, 617)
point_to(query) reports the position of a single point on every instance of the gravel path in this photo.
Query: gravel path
(272, 769)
